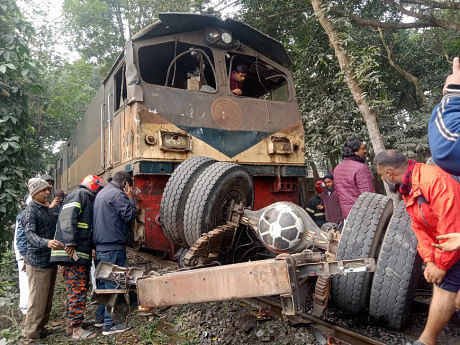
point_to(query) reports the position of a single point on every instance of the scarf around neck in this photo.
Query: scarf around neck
(406, 184)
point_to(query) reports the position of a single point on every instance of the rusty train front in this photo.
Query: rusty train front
(167, 99)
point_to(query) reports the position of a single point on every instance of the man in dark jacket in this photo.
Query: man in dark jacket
(74, 229)
(314, 208)
(114, 210)
(40, 226)
(352, 176)
(330, 200)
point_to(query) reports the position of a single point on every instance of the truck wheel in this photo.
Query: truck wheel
(175, 196)
(361, 238)
(397, 273)
(211, 194)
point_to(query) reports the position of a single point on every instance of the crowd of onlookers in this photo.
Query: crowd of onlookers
(431, 195)
(70, 234)
(337, 191)
(91, 222)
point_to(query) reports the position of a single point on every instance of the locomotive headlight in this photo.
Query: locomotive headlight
(226, 38)
(214, 34)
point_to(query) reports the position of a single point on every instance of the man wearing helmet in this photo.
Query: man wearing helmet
(314, 208)
(75, 229)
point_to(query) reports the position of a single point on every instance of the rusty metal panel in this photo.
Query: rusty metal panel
(116, 139)
(249, 279)
(134, 90)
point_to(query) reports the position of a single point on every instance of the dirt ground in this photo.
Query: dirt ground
(231, 322)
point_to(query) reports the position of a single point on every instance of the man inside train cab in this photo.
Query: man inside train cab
(432, 197)
(237, 79)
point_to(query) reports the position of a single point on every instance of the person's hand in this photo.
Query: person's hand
(454, 78)
(452, 243)
(237, 92)
(320, 207)
(128, 190)
(56, 201)
(69, 250)
(93, 252)
(433, 274)
(55, 244)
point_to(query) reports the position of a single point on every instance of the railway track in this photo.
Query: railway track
(324, 332)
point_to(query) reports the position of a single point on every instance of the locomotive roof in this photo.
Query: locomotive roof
(173, 22)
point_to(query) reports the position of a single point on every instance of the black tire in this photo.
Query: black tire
(210, 195)
(175, 196)
(397, 273)
(361, 238)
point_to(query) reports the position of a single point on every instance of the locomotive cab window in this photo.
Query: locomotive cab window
(179, 65)
(256, 79)
(120, 88)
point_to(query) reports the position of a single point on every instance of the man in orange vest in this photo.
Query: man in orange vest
(432, 199)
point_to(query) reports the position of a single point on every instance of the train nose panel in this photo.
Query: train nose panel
(228, 142)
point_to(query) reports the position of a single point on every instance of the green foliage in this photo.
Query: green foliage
(328, 110)
(17, 73)
(100, 28)
(68, 88)
(9, 297)
(8, 278)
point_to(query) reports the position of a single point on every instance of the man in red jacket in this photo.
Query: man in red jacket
(352, 176)
(432, 199)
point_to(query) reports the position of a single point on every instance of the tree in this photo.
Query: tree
(16, 80)
(368, 113)
(425, 14)
(325, 101)
(67, 90)
(101, 28)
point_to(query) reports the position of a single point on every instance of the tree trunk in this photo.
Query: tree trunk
(120, 24)
(370, 116)
(314, 169)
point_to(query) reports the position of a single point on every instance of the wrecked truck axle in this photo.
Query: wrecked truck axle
(279, 276)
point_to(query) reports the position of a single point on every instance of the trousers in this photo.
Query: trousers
(41, 291)
(76, 283)
(117, 257)
(23, 288)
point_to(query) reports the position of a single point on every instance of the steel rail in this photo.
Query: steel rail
(342, 335)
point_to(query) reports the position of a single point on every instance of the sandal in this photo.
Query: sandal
(85, 334)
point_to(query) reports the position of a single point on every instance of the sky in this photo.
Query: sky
(53, 9)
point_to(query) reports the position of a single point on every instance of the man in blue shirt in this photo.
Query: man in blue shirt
(444, 125)
(114, 210)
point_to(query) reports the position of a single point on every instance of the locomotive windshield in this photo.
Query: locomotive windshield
(262, 81)
(179, 65)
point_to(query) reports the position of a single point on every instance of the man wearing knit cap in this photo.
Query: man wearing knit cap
(39, 225)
